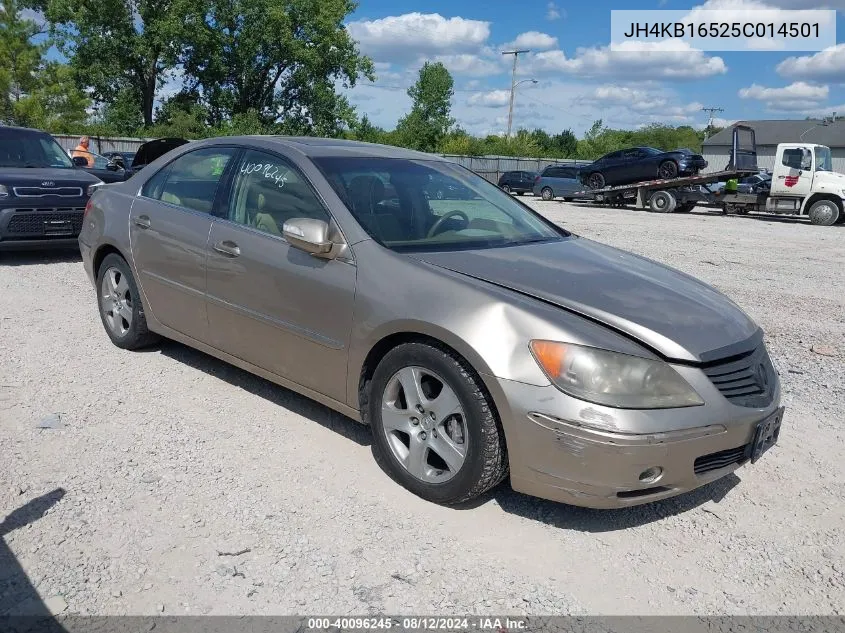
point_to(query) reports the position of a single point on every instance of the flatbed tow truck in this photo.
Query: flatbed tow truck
(803, 183)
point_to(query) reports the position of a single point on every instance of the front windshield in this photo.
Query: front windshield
(824, 162)
(30, 150)
(420, 205)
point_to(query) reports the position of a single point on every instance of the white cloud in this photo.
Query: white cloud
(533, 40)
(381, 66)
(631, 60)
(796, 97)
(553, 12)
(408, 36)
(469, 64)
(826, 65)
(492, 99)
(651, 104)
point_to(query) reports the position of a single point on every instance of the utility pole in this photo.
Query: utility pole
(712, 111)
(513, 85)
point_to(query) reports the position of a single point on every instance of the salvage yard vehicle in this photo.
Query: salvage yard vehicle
(558, 181)
(42, 194)
(802, 183)
(640, 163)
(518, 182)
(474, 336)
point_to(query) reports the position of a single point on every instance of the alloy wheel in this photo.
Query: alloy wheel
(116, 301)
(424, 424)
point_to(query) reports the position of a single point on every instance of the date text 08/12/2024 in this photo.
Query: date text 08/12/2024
(477, 623)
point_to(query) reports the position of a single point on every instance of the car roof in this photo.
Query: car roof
(329, 147)
(18, 130)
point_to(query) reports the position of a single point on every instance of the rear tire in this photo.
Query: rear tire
(547, 194)
(481, 450)
(568, 199)
(824, 213)
(120, 307)
(662, 202)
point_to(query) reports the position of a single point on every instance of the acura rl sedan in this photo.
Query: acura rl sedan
(478, 339)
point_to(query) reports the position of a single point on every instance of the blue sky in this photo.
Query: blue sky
(579, 78)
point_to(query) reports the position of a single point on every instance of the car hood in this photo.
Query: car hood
(674, 314)
(34, 176)
(151, 150)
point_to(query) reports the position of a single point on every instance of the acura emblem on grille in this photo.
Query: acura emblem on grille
(48, 183)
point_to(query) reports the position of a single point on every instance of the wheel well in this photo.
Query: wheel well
(821, 196)
(102, 253)
(380, 350)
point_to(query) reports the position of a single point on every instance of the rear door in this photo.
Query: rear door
(169, 226)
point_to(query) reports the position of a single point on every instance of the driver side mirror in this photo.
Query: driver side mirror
(309, 235)
(80, 161)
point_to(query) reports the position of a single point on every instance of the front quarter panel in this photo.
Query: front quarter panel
(488, 325)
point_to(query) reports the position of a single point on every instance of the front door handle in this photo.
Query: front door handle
(227, 248)
(143, 221)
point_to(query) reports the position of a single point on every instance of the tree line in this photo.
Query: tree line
(241, 67)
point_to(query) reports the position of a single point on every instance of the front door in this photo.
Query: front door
(791, 178)
(169, 226)
(271, 304)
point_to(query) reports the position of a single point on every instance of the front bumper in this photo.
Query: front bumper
(586, 455)
(50, 223)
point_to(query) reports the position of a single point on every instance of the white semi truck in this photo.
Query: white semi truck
(803, 183)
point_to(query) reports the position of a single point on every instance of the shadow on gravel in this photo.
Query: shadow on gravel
(280, 396)
(568, 517)
(21, 608)
(30, 258)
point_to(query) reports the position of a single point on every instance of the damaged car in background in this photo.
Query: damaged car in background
(478, 339)
(640, 163)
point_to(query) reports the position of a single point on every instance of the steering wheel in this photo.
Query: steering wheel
(451, 214)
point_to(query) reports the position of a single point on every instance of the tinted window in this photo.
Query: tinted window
(267, 192)
(792, 158)
(22, 149)
(568, 172)
(191, 180)
(555, 172)
(388, 198)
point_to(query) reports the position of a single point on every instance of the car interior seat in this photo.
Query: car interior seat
(365, 194)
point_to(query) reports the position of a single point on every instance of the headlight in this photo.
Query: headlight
(4, 192)
(613, 379)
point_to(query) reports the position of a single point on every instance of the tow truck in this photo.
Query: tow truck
(803, 183)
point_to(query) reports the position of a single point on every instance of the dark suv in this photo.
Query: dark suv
(519, 182)
(42, 194)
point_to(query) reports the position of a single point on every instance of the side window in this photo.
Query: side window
(191, 180)
(567, 173)
(792, 158)
(267, 192)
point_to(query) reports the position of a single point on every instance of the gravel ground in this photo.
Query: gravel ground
(178, 484)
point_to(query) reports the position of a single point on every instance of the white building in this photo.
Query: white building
(768, 134)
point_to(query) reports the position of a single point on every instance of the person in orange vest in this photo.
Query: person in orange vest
(81, 150)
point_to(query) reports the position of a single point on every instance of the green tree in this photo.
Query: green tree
(365, 131)
(564, 145)
(277, 59)
(121, 116)
(20, 58)
(55, 103)
(429, 119)
(118, 46)
(459, 143)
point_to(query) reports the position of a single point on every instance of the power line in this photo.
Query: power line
(711, 111)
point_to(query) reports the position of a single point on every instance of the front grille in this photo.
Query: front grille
(715, 461)
(747, 381)
(40, 192)
(46, 222)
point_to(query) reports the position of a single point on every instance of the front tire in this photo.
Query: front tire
(547, 194)
(434, 426)
(667, 170)
(824, 213)
(506, 188)
(596, 180)
(119, 303)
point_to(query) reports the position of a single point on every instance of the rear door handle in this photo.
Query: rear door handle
(143, 221)
(227, 248)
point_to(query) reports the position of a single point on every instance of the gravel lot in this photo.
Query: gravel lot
(168, 460)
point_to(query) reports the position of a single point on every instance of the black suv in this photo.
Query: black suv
(519, 182)
(42, 194)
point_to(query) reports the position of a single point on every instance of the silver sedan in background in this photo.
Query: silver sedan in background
(476, 338)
